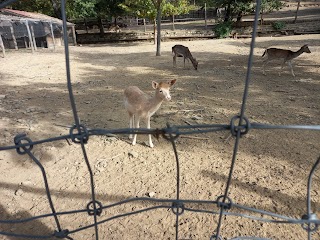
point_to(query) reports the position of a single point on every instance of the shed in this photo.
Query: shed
(21, 29)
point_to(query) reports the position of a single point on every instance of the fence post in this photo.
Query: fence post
(86, 25)
(205, 15)
(2, 46)
(74, 36)
(33, 38)
(13, 38)
(52, 35)
(29, 35)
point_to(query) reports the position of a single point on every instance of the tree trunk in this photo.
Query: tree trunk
(144, 24)
(158, 28)
(173, 27)
(154, 31)
(296, 17)
(239, 17)
(101, 26)
(228, 13)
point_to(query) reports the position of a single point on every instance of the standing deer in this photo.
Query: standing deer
(286, 55)
(140, 105)
(182, 51)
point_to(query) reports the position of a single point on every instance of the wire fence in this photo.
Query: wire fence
(238, 126)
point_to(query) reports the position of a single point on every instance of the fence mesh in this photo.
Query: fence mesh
(239, 126)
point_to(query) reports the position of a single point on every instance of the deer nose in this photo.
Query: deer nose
(168, 98)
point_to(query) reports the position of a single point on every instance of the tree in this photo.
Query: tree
(109, 8)
(154, 9)
(141, 8)
(74, 8)
(40, 6)
(269, 6)
(175, 7)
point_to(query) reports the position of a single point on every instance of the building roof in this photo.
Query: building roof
(31, 15)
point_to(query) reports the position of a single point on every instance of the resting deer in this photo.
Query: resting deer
(182, 51)
(286, 55)
(140, 105)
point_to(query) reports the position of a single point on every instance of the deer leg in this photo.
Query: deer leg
(150, 138)
(281, 68)
(137, 125)
(290, 65)
(174, 60)
(184, 62)
(131, 123)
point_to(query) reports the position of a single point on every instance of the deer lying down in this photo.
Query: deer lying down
(182, 51)
(141, 106)
(286, 55)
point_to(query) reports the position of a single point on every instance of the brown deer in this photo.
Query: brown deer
(182, 51)
(140, 105)
(286, 55)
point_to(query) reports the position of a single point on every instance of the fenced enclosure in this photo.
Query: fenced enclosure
(179, 206)
(91, 24)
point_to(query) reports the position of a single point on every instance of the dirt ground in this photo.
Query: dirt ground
(272, 166)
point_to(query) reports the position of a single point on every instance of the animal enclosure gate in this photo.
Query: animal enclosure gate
(80, 134)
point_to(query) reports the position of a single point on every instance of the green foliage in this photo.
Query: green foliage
(175, 7)
(81, 9)
(140, 8)
(105, 8)
(270, 5)
(223, 29)
(40, 6)
(278, 25)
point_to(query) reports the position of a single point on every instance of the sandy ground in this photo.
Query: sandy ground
(271, 170)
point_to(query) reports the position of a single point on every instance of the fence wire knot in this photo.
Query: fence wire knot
(22, 139)
(157, 133)
(91, 208)
(226, 203)
(243, 128)
(177, 208)
(81, 136)
(310, 227)
(170, 133)
(62, 234)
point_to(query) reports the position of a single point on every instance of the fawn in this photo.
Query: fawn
(182, 51)
(140, 105)
(286, 55)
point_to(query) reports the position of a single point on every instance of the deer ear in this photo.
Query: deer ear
(155, 84)
(172, 82)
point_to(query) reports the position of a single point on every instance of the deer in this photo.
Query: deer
(182, 51)
(141, 106)
(286, 55)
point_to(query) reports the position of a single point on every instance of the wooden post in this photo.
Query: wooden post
(33, 38)
(2, 46)
(29, 35)
(74, 35)
(86, 25)
(13, 38)
(25, 42)
(205, 15)
(52, 35)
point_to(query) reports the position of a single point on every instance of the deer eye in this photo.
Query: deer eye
(160, 91)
